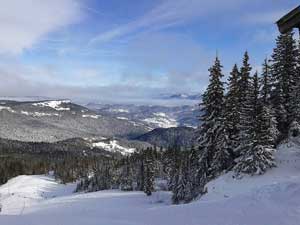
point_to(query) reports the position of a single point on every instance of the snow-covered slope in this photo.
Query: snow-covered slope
(271, 199)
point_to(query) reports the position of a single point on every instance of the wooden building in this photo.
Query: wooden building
(289, 21)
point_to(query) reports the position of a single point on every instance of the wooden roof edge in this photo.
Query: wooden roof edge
(290, 15)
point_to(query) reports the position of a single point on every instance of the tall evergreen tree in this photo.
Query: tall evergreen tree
(126, 183)
(232, 107)
(246, 94)
(193, 167)
(149, 173)
(182, 192)
(284, 75)
(257, 155)
(265, 100)
(213, 157)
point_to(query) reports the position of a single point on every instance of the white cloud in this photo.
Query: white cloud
(24, 23)
(170, 13)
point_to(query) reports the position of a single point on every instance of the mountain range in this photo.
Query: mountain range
(111, 127)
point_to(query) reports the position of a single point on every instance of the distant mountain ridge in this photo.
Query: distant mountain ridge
(55, 120)
(151, 116)
(182, 96)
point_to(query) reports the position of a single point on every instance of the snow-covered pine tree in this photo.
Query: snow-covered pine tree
(284, 75)
(294, 129)
(179, 189)
(295, 125)
(183, 190)
(141, 174)
(245, 107)
(172, 162)
(266, 82)
(149, 173)
(126, 183)
(265, 100)
(231, 111)
(213, 157)
(257, 157)
(193, 167)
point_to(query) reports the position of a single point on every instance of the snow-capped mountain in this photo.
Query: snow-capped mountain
(182, 96)
(151, 116)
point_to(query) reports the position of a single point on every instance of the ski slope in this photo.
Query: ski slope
(271, 199)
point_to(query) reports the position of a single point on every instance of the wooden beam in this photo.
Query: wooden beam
(289, 21)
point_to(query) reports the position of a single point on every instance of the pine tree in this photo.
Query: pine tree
(172, 161)
(193, 167)
(232, 107)
(265, 101)
(246, 94)
(126, 176)
(141, 174)
(179, 190)
(149, 174)
(284, 75)
(183, 190)
(257, 155)
(266, 82)
(214, 158)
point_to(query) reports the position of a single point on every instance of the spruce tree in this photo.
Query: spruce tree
(246, 107)
(232, 107)
(265, 100)
(193, 167)
(284, 75)
(183, 190)
(213, 158)
(257, 156)
(265, 83)
(126, 176)
(149, 173)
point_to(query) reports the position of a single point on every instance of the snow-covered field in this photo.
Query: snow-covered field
(113, 146)
(271, 199)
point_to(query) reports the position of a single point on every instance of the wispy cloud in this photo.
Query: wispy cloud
(169, 13)
(24, 23)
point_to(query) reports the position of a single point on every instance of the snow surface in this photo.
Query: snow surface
(271, 199)
(120, 110)
(122, 118)
(161, 120)
(38, 114)
(7, 109)
(91, 116)
(54, 104)
(113, 146)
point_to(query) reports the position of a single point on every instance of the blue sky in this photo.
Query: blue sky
(128, 50)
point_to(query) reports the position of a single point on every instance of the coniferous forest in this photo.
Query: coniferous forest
(244, 118)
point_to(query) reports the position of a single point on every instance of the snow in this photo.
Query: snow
(161, 120)
(161, 114)
(113, 146)
(7, 109)
(54, 104)
(273, 198)
(91, 116)
(122, 118)
(38, 114)
(25, 192)
(120, 110)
